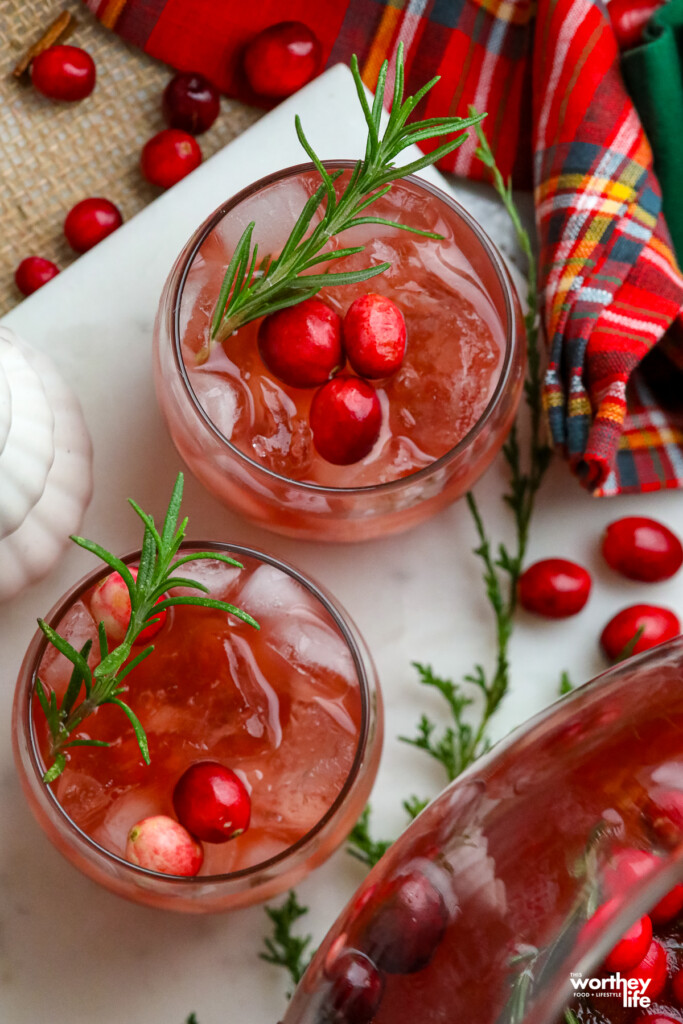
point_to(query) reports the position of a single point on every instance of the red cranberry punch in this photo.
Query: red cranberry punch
(196, 726)
(339, 350)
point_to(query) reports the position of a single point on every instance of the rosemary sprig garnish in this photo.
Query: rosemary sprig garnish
(253, 289)
(89, 688)
(284, 948)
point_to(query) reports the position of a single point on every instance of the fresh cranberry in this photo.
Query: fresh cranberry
(212, 802)
(89, 221)
(190, 102)
(642, 549)
(652, 968)
(628, 867)
(302, 345)
(110, 604)
(629, 18)
(169, 156)
(677, 988)
(345, 419)
(374, 336)
(357, 988)
(403, 934)
(32, 273)
(64, 73)
(664, 814)
(554, 587)
(281, 59)
(654, 624)
(631, 947)
(656, 1018)
(161, 844)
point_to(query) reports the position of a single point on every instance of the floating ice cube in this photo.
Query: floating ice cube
(217, 577)
(222, 398)
(313, 647)
(125, 812)
(270, 592)
(77, 626)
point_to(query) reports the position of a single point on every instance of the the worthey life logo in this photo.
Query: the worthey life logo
(632, 990)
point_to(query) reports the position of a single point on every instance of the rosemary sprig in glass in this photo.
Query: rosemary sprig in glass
(253, 289)
(89, 688)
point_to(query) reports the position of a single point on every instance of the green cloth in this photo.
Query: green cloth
(653, 73)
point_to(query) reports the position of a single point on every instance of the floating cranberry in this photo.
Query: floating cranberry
(626, 868)
(345, 419)
(161, 844)
(89, 221)
(33, 272)
(356, 991)
(281, 59)
(374, 336)
(212, 802)
(631, 947)
(629, 18)
(302, 345)
(190, 102)
(169, 156)
(642, 549)
(110, 604)
(403, 934)
(654, 624)
(652, 968)
(554, 587)
(664, 814)
(64, 73)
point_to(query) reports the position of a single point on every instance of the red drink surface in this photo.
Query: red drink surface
(455, 350)
(281, 706)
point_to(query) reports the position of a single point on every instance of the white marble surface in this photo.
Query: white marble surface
(70, 951)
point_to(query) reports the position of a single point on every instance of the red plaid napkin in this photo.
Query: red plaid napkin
(611, 286)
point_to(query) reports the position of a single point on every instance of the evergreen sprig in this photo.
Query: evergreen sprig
(253, 289)
(284, 948)
(90, 688)
(361, 845)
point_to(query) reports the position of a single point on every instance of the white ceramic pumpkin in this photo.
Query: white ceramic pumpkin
(45, 464)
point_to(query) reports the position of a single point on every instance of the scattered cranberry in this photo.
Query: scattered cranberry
(169, 156)
(403, 934)
(110, 604)
(652, 968)
(64, 73)
(656, 1018)
(374, 336)
(664, 814)
(654, 624)
(161, 844)
(33, 272)
(212, 802)
(357, 988)
(631, 947)
(281, 59)
(302, 345)
(677, 987)
(90, 221)
(190, 102)
(345, 419)
(554, 587)
(642, 549)
(626, 868)
(629, 18)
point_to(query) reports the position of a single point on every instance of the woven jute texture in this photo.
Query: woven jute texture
(55, 154)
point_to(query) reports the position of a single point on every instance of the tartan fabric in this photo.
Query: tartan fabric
(612, 292)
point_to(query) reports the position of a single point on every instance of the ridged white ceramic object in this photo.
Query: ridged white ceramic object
(45, 464)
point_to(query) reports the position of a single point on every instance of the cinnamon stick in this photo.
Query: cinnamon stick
(59, 27)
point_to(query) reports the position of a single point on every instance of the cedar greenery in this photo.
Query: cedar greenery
(253, 289)
(90, 688)
(285, 949)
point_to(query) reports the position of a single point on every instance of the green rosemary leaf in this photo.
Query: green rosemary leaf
(76, 681)
(146, 562)
(102, 639)
(87, 743)
(378, 100)
(44, 702)
(373, 134)
(208, 602)
(566, 685)
(424, 161)
(285, 948)
(106, 556)
(140, 734)
(199, 556)
(400, 227)
(336, 254)
(179, 581)
(64, 647)
(58, 766)
(146, 519)
(134, 662)
(361, 844)
(230, 275)
(348, 277)
(315, 159)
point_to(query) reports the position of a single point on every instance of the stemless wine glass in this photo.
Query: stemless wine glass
(478, 912)
(307, 669)
(275, 481)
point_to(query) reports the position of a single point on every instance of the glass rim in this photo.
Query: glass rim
(243, 874)
(512, 335)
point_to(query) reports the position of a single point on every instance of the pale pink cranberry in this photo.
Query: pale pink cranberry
(110, 604)
(162, 844)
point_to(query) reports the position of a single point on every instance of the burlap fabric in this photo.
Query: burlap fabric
(55, 154)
